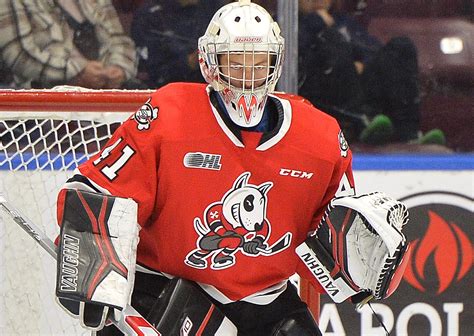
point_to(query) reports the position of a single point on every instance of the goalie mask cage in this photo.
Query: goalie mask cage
(44, 135)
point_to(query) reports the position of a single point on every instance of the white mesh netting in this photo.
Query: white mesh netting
(36, 157)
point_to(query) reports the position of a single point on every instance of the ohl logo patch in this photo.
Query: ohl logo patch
(441, 230)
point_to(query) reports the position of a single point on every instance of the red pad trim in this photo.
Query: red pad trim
(398, 275)
(101, 238)
(205, 321)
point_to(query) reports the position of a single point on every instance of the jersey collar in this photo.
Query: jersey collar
(269, 138)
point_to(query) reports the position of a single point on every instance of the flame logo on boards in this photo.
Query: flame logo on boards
(439, 232)
(447, 246)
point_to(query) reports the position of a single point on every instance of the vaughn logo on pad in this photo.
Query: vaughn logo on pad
(337, 289)
(69, 263)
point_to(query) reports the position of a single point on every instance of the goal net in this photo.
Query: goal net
(44, 135)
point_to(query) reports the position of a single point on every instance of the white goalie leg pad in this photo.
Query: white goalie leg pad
(96, 254)
(123, 229)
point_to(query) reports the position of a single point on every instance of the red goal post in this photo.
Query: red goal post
(44, 135)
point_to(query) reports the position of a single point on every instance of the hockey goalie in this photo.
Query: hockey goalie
(221, 182)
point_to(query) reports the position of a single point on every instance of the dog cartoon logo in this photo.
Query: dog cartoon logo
(145, 115)
(236, 223)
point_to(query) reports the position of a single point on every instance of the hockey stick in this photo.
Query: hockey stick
(130, 322)
(281, 244)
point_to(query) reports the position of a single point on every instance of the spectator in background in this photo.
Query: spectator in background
(165, 33)
(371, 88)
(126, 6)
(45, 43)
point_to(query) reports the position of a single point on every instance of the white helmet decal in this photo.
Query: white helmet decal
(242, 28)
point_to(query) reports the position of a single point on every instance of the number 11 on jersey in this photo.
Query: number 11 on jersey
(111, 171)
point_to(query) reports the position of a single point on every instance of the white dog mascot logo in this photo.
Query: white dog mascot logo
(145, 115)
(237, 222)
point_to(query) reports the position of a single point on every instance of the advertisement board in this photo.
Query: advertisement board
(436, 293)
(434, 298)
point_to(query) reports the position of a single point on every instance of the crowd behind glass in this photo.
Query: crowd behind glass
(374, 88)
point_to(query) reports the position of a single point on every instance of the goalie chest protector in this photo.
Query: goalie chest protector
(204, 189)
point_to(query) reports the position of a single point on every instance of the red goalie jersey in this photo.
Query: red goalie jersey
(220, 206)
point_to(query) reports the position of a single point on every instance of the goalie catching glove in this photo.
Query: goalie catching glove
(96, 254)
(358, 247)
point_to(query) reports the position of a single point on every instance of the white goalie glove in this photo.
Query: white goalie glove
(96, 254)
(359, 247)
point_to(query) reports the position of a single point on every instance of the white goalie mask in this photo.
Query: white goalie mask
(240, 55)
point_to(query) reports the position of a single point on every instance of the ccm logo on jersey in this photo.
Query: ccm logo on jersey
(296, 173)
(202, 160)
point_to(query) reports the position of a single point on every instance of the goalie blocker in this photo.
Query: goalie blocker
(96, 254)
(358, 250)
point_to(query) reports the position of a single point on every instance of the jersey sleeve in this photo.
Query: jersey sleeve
(127, 165)
(341, 184)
